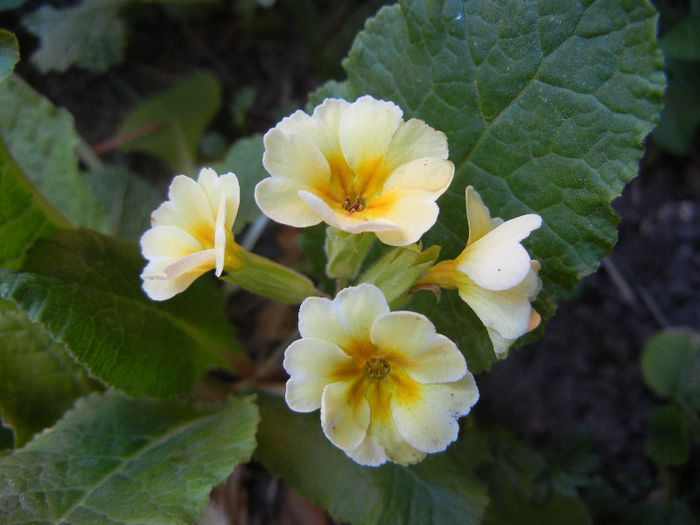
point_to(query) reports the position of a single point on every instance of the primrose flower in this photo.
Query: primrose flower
(389, 387)
(494, 274)
(190, 233)
(358, 167)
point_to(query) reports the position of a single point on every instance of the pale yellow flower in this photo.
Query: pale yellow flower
(190, 233)
(388, 386)
(494, 274)
(358, 167)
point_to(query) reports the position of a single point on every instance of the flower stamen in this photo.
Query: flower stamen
(377, 368)
(354, 203)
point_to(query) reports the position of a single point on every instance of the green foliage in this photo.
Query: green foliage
(395, 272)
(545, 107)
(671, 365)
(170, 123)
(346, 252)
(25, 216)
(441, 489)
(668, 442)
(83, 289)
(33, 369)
(90, 35)
(682, 42)
(244, 158)
(11, 4)
(42, 140)
(117, 460)
(9, 53)
(681, 114)
(126, 200)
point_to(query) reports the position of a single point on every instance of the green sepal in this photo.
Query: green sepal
(265, 277)
(346, 252)
(398, 270)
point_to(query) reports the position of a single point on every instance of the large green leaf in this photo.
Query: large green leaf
(25, 216)
(545, 105)
(41, 138)
(441, 489)
(38, 380)
(170, 124)
(84, 289)
(90, 35)
(9, 53)
(114, 460)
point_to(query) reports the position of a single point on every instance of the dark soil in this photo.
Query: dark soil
(583, 373)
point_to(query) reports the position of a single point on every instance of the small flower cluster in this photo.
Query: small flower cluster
(389, 387)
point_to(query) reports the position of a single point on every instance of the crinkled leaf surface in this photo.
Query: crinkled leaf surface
(90, 35)
(170, 123)
(441, 489)
(244, 159)
(84, 289)
(115, 460)
(41, 138)
(545, 105)
(9, 53)
(38, 379)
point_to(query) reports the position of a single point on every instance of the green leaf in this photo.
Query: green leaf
(42, 140)
(90, 35)
(668, 442)
(244, 158)
(9, 53)
(25, 216)
(681, 116)
(170, 123)
(545, 105)
(84, 289)
(666, 361)
(683, 41)
(114, 460)
(7, 5)
(38, 380)
(441, 489)
(127, 200)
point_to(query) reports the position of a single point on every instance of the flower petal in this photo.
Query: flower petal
(478, 216)
(168, 241)
(413, 217)
(220, 235)
(295, 158)
(345, 415)
(506, 311)
(346, 320)
(428, 421)
(311, 364)
(366, 129)
(176, 277)
(423, 178)
(383, 442)
(497, 261)
(278, 199)
(415, 139)
(191, 202)
(409, 339)
(197, 262)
